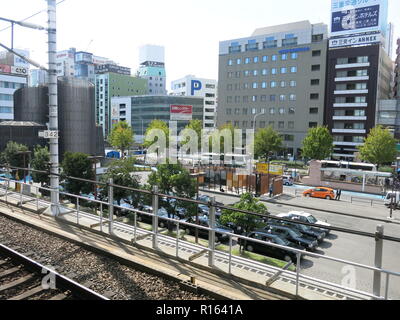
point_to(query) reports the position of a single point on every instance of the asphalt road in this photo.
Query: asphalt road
(348, 247)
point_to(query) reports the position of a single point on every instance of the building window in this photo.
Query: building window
(281, 111)
(263, 98)
(272, 111)
(273, 84)
(289, 42)
(281, 125)
(316, 67)
(254, 98)
(237, 111)
(264, 72)
(282, 97)
(314, 82)
(255, 85)
(254, 111)
(293, 69)
(316, 53)
(272, 98)
(313, 110)
(245, 111)
(291, 125)
(228, 112)
(294, 55)
(265, 59)
(284, 57)
(317, 37)
(246, 73)
(292, 97)
(264, 85)
(274, 71)
(245, 99)
(255, 59)
(283, 84)
(238, 61)
(293, 83)
(292, 110)
(262, 124)
(314, 96)
(272, 124)
(283, 70)
(274, 57)
(246, 60)
(313, 125)
(255, 73)
(270, 44)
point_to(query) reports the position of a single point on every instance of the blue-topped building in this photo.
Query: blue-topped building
(152, 68)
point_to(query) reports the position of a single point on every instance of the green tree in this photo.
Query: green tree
(267, 141)
(13, 157)
(77, 165)
(379, 148)
(196, 126)
(121, 136)
(318, 144)
(173, 179)
(246, 222)
(40, 161)
(154, 125)
(121, 173)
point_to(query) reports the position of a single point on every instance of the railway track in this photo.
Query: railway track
(22, 278)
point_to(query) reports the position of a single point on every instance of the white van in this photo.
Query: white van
(396, 198)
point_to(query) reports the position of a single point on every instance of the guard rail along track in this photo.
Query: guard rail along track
(227, 260)
(22, 278)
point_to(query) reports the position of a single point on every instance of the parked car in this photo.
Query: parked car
(396, 199)
(315, 233)
(308, 218)
(162, 214)
(294, 236)
(287, 180)
(270, 251)
(203, 221)
(321, 192)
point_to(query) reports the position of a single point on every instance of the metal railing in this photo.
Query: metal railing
(211, 249)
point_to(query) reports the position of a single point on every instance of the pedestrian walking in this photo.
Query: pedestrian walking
(338, 194)
(271, 191)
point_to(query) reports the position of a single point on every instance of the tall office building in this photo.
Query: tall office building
(38, 77)
(113, 84)
(191, 86)
(359, 73)
(152, 68)
(14, 73)
(275, 77)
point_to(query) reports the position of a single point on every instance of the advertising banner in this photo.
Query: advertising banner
(350, 17)
(181, 113)
(355, 40)
(273, 169)
(5, 68)
(19, 70)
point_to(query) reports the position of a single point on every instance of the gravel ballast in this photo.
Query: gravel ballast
(103, 273)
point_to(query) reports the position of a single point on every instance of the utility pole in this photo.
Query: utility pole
(53, 106)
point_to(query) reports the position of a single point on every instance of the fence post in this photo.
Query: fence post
(155, 218)
(211, 237)
(378, 259)
(110, 205)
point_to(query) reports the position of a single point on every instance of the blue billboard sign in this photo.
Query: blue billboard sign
(355, 19)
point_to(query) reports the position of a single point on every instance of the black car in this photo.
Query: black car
(162, 213)
(204, 222)
(294, 236)
(307, 230)
(270, 251)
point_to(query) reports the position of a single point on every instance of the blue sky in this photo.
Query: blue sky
(190, 30)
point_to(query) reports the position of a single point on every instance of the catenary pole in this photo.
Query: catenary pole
(53, 105)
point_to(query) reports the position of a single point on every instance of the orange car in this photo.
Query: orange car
(320, 192)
